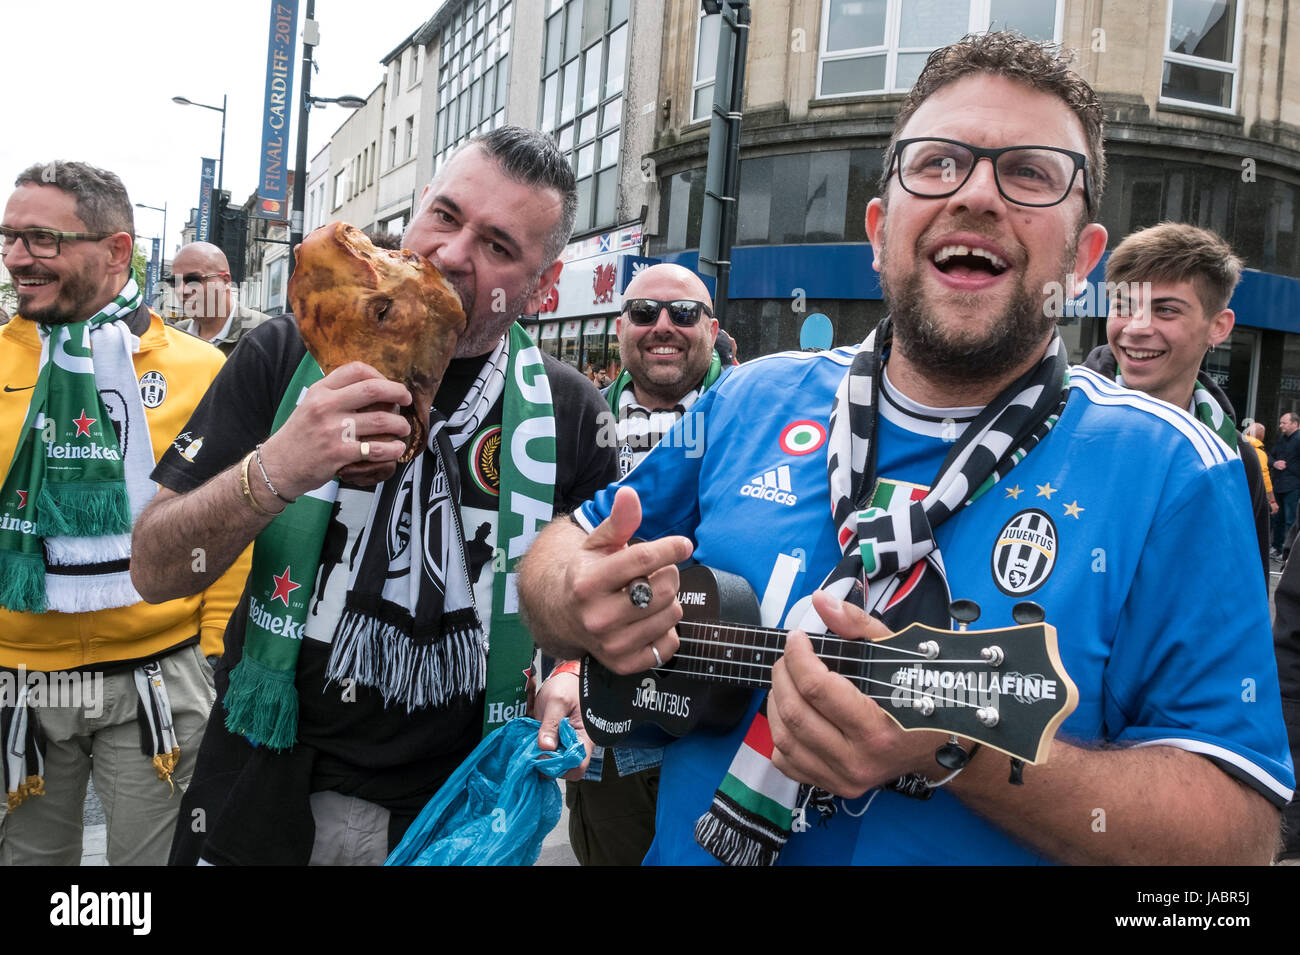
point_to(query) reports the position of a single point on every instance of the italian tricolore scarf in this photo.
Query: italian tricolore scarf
(409, 626)
(75, 484)
(749, 820)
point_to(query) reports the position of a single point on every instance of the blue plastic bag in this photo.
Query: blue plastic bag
(497, 807)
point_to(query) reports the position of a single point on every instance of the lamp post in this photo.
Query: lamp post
(221, 160)
(163, 210)
(310, 38)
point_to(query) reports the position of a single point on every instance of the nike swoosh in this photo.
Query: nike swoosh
(24, 388)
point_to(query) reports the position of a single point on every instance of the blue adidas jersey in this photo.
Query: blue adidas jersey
(1146, 510)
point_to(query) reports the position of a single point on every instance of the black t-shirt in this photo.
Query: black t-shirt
(383, 754)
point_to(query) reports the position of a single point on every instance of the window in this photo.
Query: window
(584, 63)
(706, 57)
(410, 137)
(392, 147)
(374, 161)
(878, 46)
(365, 161)
(341, 186)
(473, 74)
(1201, 54)
(408, 55)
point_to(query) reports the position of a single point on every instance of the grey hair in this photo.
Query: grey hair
(532, 158)
(102, 202)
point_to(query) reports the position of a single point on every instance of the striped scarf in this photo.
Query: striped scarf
(881, 537)
(76, 483)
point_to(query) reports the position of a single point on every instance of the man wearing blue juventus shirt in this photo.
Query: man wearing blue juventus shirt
(1176, 751)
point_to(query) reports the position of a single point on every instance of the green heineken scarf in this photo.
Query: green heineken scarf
(419, 643)
(66, 490)
(624, 381)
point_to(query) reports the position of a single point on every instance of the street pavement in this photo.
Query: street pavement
(555, 848)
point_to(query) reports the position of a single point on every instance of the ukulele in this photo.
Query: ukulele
(1005, 688)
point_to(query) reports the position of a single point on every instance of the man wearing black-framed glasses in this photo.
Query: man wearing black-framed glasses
(93, 388)
(210, 301)
(953, 455)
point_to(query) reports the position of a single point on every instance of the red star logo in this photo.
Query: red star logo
(83, 424)
(22, 500)
(283, 587)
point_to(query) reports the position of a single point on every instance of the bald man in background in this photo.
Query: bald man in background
(213, 312)
(666, 337)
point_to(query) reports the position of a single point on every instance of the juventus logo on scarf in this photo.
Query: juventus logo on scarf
(752, 811)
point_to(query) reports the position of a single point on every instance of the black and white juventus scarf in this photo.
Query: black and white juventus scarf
(750, 818)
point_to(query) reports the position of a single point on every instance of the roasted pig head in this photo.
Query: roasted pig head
(392, 310)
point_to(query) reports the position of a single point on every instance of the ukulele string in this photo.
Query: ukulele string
(766, 668)
(731, 627)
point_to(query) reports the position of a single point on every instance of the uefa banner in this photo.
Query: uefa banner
(152, 272)
(206, 181)
(277, 109)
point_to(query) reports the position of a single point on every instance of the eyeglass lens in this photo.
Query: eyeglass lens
(1028, 176)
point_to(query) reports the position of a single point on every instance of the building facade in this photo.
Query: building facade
(1202, 126)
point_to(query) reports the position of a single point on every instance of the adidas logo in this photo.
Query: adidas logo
(773, 485)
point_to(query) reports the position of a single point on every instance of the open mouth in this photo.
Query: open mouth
(964, 261)
(1141, 354)
(32, 281)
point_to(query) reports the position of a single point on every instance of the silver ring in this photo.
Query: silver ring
(640, 593)
(658, 659)
(365, 450)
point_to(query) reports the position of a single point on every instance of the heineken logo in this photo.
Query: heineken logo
(280, 624)
(802, 437)
(83, 424)
(284, 586)
(1025, 553)
(94, 451)
(22, 499)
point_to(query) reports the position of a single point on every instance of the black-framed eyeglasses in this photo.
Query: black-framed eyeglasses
(45, 243)
(1038, 176)
(191, 278)
(684, 312)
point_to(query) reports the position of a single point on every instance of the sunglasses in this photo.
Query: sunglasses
(191, 278)
(683, 312)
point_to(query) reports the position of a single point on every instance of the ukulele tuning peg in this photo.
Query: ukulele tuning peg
(993, 656)
(1028, 612)
(1017, 777)
(965, 612)
(951, 756)
(988, 716)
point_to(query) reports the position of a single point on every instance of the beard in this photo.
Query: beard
(482, 332)
(74, 291)
(933, 343)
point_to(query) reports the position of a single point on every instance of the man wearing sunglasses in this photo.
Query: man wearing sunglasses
(954, 455)
(213, 312)
(95, 389)
(666, 338)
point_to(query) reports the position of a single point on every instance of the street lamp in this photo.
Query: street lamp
(221, 160)
(310, 38)
(163, 210)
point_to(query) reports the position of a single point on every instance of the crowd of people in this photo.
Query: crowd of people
(303, 630)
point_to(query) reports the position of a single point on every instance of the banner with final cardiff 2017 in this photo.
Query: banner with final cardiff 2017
(277, 109)
(203, 227)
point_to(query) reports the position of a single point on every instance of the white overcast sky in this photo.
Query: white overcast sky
(93, 81)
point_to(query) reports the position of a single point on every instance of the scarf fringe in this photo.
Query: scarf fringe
(165, 764)
(382, 656)
(262, 704)
(22, 582)
(727, 838)
(32, 786)
(75, 551)
(83, 594)
(82, 510)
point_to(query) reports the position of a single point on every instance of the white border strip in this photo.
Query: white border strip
(1227, 755)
